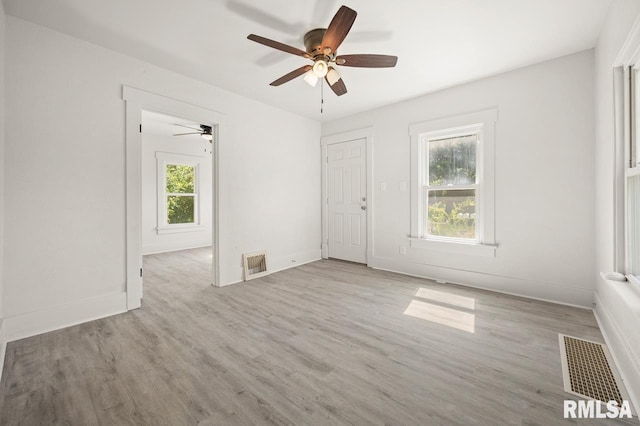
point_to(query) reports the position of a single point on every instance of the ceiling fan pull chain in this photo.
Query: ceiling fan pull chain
(321, 96)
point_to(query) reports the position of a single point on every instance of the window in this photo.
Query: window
(180, 189)
(178, 198)
(452, 184)
(632, 181)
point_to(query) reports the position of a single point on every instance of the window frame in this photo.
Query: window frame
(164, 159)
(631, 148)
(424, 174)
(481, 123)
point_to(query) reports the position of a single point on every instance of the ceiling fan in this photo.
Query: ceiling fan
(204, 131)
(322, 48)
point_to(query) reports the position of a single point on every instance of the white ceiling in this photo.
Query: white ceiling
(440, 43)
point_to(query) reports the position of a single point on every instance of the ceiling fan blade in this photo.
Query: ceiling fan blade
(192, 133)
(293, 74)
(277, 45)
(338, 28)
(188, 127)
(367, 61)
(338, 87)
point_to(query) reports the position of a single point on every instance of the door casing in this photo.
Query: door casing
(137, 100)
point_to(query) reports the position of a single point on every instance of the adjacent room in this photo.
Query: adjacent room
(227, 212)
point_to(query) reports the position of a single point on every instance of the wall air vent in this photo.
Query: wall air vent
(255, 265)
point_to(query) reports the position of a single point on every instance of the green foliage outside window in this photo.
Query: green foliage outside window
(452, 213)
(181, 193)
(453, 161)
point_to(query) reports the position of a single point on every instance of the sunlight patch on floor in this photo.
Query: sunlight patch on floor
(449, 317)
(448, 298)
(454, 315)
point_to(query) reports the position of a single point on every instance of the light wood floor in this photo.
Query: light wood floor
(328, 343)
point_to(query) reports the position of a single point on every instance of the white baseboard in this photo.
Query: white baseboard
(295, 265)
(293, 260)
(544, 291)
(3, 346)
(166, 248)
(30, 324)
(627, 362)
(279, 264)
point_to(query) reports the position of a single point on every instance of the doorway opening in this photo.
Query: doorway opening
(179, 204)
(177, 199)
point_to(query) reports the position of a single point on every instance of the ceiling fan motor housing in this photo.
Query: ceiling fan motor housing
(313, 42)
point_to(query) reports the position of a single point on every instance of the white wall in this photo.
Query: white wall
(617, 305)
(152, 242)
(2, 132)
(65, 177)
(543, 172)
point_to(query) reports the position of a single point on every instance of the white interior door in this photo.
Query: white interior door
(346, 200)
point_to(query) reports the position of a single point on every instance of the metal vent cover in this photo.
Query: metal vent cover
(588, 370)
(255, 265)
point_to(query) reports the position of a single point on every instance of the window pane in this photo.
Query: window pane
(634, 153)
(181, 179)
(180, 209)
(633, 225)
(452, 213)
(453, 161)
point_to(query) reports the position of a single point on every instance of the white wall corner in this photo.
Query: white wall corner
(3, 340)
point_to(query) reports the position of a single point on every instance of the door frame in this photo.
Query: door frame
(136, 101)
(366, 134)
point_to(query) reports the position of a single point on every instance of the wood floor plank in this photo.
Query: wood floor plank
(327, 343)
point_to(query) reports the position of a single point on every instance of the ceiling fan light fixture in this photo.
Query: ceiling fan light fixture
(311, 78)
(320, 68)
(333, 76)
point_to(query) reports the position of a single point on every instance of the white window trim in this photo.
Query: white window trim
(162, 160)
(625, 95)
(483, 123)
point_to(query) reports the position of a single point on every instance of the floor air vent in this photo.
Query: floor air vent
(255, 265)
(588, 370)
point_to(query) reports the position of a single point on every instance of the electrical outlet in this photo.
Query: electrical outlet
(403, 250)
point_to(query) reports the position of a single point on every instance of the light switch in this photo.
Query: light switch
(403, 186)
(383, 186)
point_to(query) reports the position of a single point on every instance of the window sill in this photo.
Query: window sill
(175, 229)
(474, 249)
(631, 283)
(633, 279)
